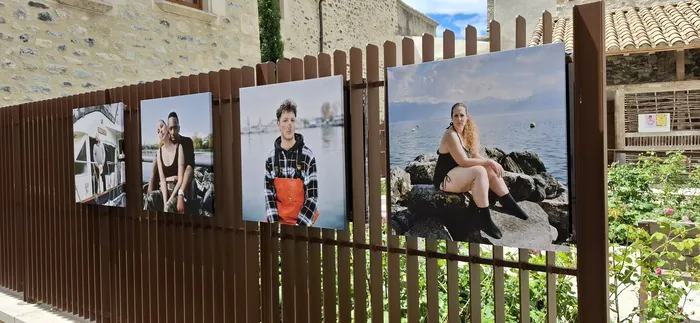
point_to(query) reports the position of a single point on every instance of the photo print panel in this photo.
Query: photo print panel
(98, 155)
(293, 153)
(177, 155)
(479, 149)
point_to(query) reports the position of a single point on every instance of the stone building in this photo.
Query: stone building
(652, 66)
(52, 48)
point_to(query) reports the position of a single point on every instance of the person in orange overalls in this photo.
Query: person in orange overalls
(291, 182)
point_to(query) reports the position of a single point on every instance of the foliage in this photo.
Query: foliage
(271, 45)
(654, 189)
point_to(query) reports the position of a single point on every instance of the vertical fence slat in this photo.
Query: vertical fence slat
(394, 285)
(498, 272)
(344, 303)
(523, 254)
(431, 245)
(357, 117)
(329, 251)
(213, 309)
(314, 248)
(224, 296)
(453, 310)
(156, 250)
(550, 256)
(375, 177)
(474, 248)
(117, 229)
(252, 291)
(239, 78)
(149, 222)
(300, 260)
(284, 75)
(408, 58)
(131, 227)
(589, 137)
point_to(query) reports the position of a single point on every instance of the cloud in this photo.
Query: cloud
(498, 75)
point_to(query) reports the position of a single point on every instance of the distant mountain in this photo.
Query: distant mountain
(408, 111)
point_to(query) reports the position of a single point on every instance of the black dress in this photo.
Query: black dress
(445, 163)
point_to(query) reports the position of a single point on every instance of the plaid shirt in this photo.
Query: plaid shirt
(287, 167)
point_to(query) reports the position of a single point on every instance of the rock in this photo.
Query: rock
(6, 37)
(80, 52)
(427, 209)
(6, 89)
(421, 172)
(89, 85)
(529, 162)
(37, 5)
(56, 69)
(67, 84)
(493, 153)
(56, 34)
(44, 43)
(45, 17)
(509, 165)
(81, 73)
(77, 30)
(165, 23)
(90, 42)
(73, 60)
(430, 157)
(425, 198)
(400, 185)
(28, 51)
(550, 184)
(24, 38)
(2, 20)
(523, 187)
(40, 89)
(558, 215)
(6, 63)
(21, 13)
(61, 48)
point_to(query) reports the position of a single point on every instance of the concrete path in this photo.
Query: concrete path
(14, 310)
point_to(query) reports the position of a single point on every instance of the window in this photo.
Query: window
(197, 4)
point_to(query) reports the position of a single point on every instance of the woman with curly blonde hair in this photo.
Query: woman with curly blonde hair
(460, 169)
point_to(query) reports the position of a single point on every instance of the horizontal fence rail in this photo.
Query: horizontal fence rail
(130, 265)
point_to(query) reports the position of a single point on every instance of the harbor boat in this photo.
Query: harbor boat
(104, 121)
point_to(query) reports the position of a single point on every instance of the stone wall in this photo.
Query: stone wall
(692, 64)
(48, 49)
(345, 24)
(641, 68)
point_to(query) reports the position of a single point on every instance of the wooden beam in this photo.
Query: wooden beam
(657, 87)
(680, 65)
(620, 124)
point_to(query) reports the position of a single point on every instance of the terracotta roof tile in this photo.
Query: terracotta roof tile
(643, 28)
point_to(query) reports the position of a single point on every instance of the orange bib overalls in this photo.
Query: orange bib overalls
(291, 197)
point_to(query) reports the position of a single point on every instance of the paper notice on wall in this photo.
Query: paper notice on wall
(655, 122)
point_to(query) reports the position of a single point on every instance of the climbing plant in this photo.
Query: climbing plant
(271, 45)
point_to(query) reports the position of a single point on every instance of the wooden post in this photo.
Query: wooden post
(680, 65)
(590, 198)
(620, 125)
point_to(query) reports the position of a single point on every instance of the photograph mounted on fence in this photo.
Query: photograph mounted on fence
(98, 153)
(177, 154)
(293, 153)
(478, 149)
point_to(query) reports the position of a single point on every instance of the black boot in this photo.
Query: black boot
(513, 208)
(483, 215)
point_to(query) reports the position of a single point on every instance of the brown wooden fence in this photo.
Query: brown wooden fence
(129, 265)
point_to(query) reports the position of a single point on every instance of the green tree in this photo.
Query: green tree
(271, 46)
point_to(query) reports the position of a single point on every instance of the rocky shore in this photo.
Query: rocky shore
(418, 209)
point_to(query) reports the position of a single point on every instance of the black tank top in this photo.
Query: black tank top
(446, 163)
(172, 169)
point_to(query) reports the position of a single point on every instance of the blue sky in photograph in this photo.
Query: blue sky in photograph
(261, 102)
(524, 79)
(194, 112)
(454, 15)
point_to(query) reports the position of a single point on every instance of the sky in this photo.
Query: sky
(510, 75)
(194, 112)
(262, 101)
(454, 14)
